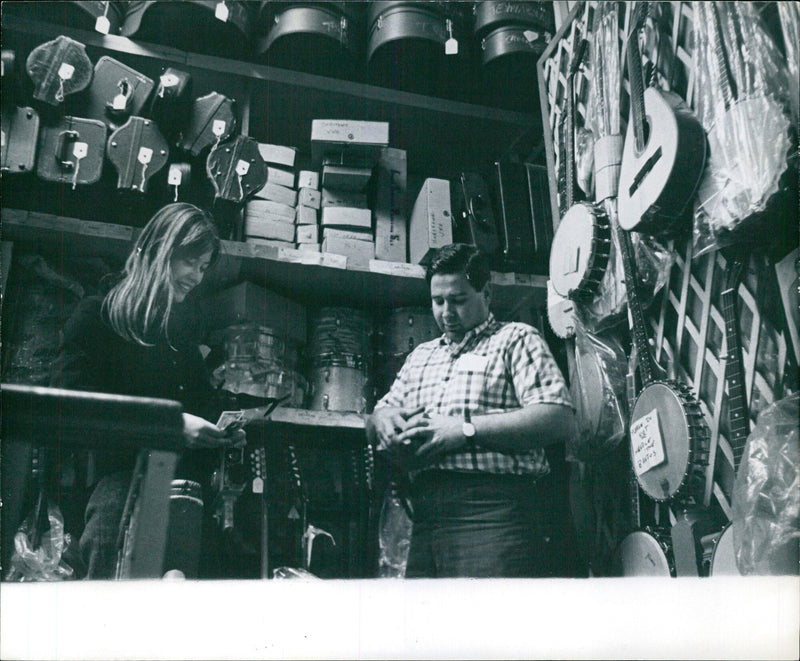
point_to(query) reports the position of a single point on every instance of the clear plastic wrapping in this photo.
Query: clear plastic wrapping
(394, 537)
(766, 493)
(741, 94)
(598, 393)
(789, 13)
(38, 553)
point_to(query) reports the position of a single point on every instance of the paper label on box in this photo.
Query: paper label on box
(647, 444)
(333, 260)
(401, 269)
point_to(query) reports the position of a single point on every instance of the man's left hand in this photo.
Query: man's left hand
(437, 434)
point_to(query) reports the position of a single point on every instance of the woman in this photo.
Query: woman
(142, 339)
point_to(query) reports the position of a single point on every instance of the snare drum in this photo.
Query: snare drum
(646, 552)
(340, 388)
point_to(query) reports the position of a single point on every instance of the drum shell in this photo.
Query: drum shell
(185, 528)
(191, 25)
(496, 13)
(407, 328)
(340, 388)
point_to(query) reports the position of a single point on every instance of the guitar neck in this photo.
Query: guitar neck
(720, 58)
(636, 81)
(734, 378)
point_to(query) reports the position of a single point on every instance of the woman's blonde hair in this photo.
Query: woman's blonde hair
(141, 302)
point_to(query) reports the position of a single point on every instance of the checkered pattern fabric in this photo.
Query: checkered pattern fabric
(497, 367)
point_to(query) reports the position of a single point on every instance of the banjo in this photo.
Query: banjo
(580, 249)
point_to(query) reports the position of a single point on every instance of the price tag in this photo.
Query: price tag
(102, 25)
(145, 154)
(80, 149)
(65, 71)
(221, 12)
(242, 167)
(175, 176)
(119, 102)
(218, 127)
(169, 80)
(647, 444)
(258, 485)
(451, 46)
(530, 35)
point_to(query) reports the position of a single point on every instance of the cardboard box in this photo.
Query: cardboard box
(345, 177)
(355, 235)
(309, 197)
(272, 243)
(309, 247)
(278, 193)
(345, 138)
(249, 302)
(308, 179)
(357, 252)
(332, 197)
(306, 216)
(389, 208)
(278, 154)
(307, 234)
(346, 217)
(280, 176)
(431, 224)
(269, 229)
(270, 208)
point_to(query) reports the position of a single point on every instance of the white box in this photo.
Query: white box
(278, 154)
(346, 177)
(307, 234)
(309, 247)
(389, 209)
(268, 229)
(354, 235)
(280, 176)
(357, 252)
(309, 197)
(332, 197)
(278, 193)
(346, 136)
(308, 179)
(346, 217)
(306, 216)
(269, 208)
(431, 225)
(272, 243)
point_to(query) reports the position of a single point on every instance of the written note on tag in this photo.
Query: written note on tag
(646, 442)
(471, 362)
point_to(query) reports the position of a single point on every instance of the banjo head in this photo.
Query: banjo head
(645, 553)
(560, 313)
(684, 438)
(579, 252)
(723, 559)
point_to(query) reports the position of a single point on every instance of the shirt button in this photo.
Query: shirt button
(181, 388)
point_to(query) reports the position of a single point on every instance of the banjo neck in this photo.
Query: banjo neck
(569, 128)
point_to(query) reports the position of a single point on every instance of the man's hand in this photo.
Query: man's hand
(433, 435)
(388, 422)
(200, 433)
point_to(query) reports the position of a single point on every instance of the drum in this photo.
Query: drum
(247, 341)
(105, 17)
(409, 327)
(340, 388)
(580, 250)
(280, 383)
(343, 331)
(185, 527)
(645, 552)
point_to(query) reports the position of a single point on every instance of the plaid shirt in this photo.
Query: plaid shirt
(497, 367)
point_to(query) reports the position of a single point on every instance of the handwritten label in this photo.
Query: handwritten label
(396, 268)
(647, 444)
(299, 256)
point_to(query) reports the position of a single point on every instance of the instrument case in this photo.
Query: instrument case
(138, 151)
(72, 152)
(20, 130)
(171, 104)
(236, 169)
(473, 218)
(497, 13)
(212, 120)
(58, 68)
(117, 92)
(103, 17)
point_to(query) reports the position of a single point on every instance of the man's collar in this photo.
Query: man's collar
(469, 336)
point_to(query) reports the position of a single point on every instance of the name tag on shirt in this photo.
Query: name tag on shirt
(471, 362)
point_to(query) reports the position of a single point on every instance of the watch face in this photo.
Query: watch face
(468, 429)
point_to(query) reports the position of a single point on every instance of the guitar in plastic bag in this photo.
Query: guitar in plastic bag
(58, 68)
(72, 151)
(138, 151)
(236, 169)
(212, 120)
(117, 92)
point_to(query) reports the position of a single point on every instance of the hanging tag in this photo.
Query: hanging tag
(218, 127)
(530, 35)
(65, 71)
(119, 102)
(293, 513)
(169, 80)
(258, 485)
(174, 177)
(451, 45)
(79, 150)
(221, 12)
(102, 25)
(242, 168)
(145, 154)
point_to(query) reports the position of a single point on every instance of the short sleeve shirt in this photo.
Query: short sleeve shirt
(497, 367)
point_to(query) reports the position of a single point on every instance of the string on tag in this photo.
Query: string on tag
(79, 151)
(145, 154)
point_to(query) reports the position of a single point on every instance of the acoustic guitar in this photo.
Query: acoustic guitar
(664, 153)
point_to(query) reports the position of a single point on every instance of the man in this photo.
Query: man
(474, 410)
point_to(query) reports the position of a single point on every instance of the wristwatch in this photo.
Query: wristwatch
(468, 429)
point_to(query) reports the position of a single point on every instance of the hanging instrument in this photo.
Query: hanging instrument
(236, 169)
(664, 152)
(58, 68)
(138, 151)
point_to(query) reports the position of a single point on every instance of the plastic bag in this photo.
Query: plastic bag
(741, 99)
(394, 537)
(44, 562)
(766, 493)
(790, 25)
(598, 391)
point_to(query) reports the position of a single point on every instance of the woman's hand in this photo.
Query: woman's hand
(200, 433)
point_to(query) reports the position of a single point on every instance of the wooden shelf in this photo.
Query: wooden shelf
(442, 137)
(311, 278)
